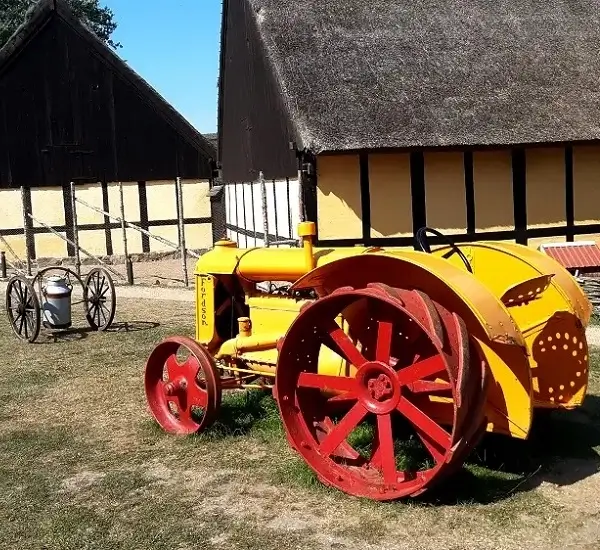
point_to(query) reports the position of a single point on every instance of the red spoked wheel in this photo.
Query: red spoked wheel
(409, 404)
(183, 386)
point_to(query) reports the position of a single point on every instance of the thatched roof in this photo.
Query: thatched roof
(399, 73)
(42, 12)
(212, 138)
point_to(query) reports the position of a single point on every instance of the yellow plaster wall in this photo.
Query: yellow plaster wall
(47, 206)
(198, 236)
(17, 244)
(586, 185)
(131, 202)
(545, 176)
(196, 203)
(91, 194)
(391, 201)
(592, 237)
(168, 232)
(161, 198)
(48, 245)
(492, 180)
(94, 241)
(445, 192)
(11, 211)
(134, 241)
(339, 211)
(535, 243)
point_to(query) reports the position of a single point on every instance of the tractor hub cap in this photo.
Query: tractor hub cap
(174, 387)
(379, 389)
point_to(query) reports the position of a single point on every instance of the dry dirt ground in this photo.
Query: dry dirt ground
(159, 273)
(82, 465)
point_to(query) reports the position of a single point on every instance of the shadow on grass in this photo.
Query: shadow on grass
(49, 336)
(246, 412)
(562, 449)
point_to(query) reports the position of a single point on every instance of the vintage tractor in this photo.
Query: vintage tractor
(387, 365)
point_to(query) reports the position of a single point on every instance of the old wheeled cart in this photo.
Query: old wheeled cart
(47, 301)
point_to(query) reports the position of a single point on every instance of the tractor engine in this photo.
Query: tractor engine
(371, 353)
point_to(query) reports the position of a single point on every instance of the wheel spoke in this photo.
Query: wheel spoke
(102, 308)
(173, 367)
(101, 285)
(431, 446)
(22, 318)
(427, 386)
(196, 396)
(342, 429)
(384, 341)
(19, 288)
(29, 322)
(420, 420)
(386, 455)
(343, 343)
(418, 371)
(326, 382)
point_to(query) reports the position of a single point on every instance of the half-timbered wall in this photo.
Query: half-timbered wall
(151, 205)
(530, 195)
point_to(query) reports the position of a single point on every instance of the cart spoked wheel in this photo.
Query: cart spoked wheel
(183, 386)
(100, 299)
(23, 308)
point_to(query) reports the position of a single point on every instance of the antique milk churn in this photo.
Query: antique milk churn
(56, 303)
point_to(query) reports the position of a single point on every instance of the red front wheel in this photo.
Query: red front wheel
(183, 386)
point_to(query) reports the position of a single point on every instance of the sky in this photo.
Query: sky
(175, 49)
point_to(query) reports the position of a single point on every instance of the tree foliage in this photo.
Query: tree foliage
(99, 19)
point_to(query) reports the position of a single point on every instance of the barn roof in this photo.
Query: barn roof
(42, 12)
(396, 73)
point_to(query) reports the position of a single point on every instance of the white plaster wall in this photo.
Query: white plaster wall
(244, 211)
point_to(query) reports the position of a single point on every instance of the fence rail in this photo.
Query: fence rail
(30, 244)
(136, 227)
(72, 243)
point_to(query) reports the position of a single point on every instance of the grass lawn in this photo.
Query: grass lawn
(82, 465)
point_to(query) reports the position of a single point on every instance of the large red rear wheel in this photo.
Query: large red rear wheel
(183, 386)
(407, 409)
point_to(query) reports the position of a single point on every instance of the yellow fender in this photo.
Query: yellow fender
(562, 279)
(510, 403)
(550, 309)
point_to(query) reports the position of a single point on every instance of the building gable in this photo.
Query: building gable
(254, 125)
(70, 108)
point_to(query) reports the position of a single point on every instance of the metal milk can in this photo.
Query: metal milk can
(56, 302)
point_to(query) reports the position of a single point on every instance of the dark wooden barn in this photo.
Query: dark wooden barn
(479, 119)
(72, 110)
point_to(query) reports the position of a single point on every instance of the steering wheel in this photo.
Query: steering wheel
(423, 245)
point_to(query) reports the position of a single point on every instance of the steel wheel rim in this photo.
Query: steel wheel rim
(373, 391)
(100, 299)
(22, 308)
(171, 382)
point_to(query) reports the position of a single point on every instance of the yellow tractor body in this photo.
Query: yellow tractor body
(455, 342)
